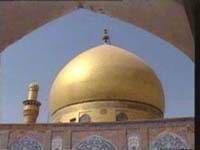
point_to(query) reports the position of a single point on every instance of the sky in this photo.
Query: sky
(41, 54)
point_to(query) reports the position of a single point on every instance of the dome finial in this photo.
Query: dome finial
(106, 37)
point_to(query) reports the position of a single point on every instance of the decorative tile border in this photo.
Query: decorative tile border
(178, 133)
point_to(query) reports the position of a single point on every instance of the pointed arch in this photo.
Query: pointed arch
(26, 143)
(168, 140)
(94, 142)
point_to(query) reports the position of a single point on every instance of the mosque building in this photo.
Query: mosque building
(106, 98)
(92, 88)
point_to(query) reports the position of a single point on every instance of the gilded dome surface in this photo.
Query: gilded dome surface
(106, 72)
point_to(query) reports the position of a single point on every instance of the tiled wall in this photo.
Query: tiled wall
(138, 135)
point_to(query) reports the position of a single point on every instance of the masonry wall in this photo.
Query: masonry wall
(137, 135)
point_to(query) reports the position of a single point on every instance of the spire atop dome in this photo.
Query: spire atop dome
(106, 37)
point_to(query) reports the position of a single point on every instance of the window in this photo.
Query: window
(121, 117)
(85, 118)
(72, 120)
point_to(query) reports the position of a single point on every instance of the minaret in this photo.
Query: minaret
(31, 105)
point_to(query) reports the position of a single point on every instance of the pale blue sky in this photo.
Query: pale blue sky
(41, 54)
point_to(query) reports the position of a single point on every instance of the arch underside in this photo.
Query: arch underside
(166, 19)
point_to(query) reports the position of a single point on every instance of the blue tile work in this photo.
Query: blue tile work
(26, 143)
(169, 141)
(94, 142)
(177, 133)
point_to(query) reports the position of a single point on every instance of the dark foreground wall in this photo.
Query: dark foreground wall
(167, 19)
(165, 134)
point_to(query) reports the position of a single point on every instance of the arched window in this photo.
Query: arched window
(72, 120)
(85, 118)
(121, 117)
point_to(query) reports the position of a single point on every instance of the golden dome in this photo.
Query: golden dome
(106, 73)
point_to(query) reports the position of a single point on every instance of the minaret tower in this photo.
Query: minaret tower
(31, 105)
